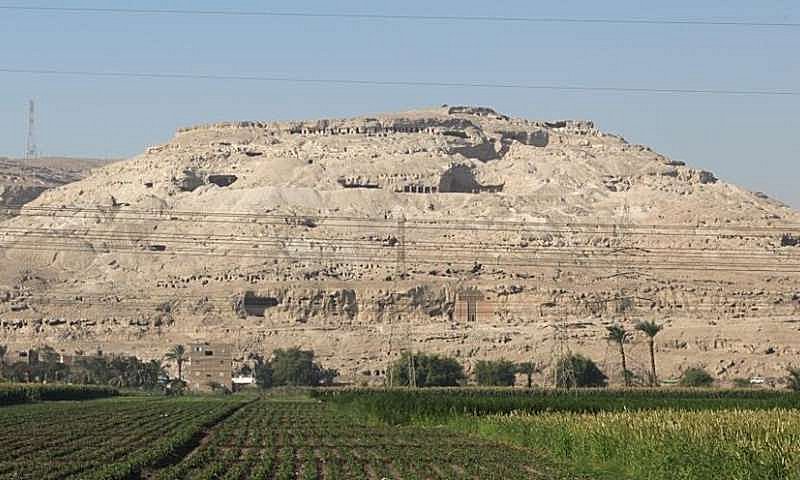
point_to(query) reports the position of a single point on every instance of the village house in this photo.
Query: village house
(209, 364)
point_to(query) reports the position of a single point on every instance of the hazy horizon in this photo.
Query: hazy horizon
(749, 140)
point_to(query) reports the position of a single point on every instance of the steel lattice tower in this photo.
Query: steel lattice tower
(30, 144)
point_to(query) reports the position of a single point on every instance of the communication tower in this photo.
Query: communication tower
(30, 144)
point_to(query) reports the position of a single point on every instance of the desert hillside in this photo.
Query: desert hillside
(22, 180)
(455, 229)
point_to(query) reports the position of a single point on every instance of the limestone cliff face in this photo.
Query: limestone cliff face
(456, 230)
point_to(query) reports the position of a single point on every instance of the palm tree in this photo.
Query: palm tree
(154, 372)
(528, 368)
(178, 354)
(651, 329)
(618, 334)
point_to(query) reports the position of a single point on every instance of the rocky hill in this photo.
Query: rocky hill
(455, 230)
(23, 180)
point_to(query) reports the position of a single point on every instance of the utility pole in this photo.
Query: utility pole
(400, 273)
(30, 144)
(561, 350)
(623, 249)
(625, 301)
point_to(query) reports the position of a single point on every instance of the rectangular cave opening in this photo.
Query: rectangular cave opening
(256, 305)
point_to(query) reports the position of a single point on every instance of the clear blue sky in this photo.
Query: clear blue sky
(752, 141)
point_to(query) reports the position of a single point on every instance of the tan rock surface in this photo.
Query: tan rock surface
(270, 234)
(23, 180)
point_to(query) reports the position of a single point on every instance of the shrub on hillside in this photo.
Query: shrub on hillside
(696, 377)
(495, 373)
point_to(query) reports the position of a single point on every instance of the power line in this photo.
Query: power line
(470, 224)
(399, 83)
(409, 17)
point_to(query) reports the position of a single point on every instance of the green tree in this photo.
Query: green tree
(124, 372)
(19, 372)
(651, 329)
(153, 374)
(430, 370)
(177, 354)
(575, 370)
(295, 367)
(617, 334)
(262, 371)
(793, 380)
(696, 377)
(498, 373)
(49, 368)
(92, 370)
(528, 368)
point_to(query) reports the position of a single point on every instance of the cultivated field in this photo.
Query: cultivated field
(406, 434)
(236, 439)
(101, 438)
(309, 440)
(662, 434)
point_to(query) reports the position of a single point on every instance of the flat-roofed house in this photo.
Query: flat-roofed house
(209, 364)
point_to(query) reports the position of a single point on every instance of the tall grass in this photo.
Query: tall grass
(656, 445)
(403, 406)
(654, 434)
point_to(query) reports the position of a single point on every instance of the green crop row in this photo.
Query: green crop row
(308, 440)
(114, 439)
(11, 394)
(398, 406)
